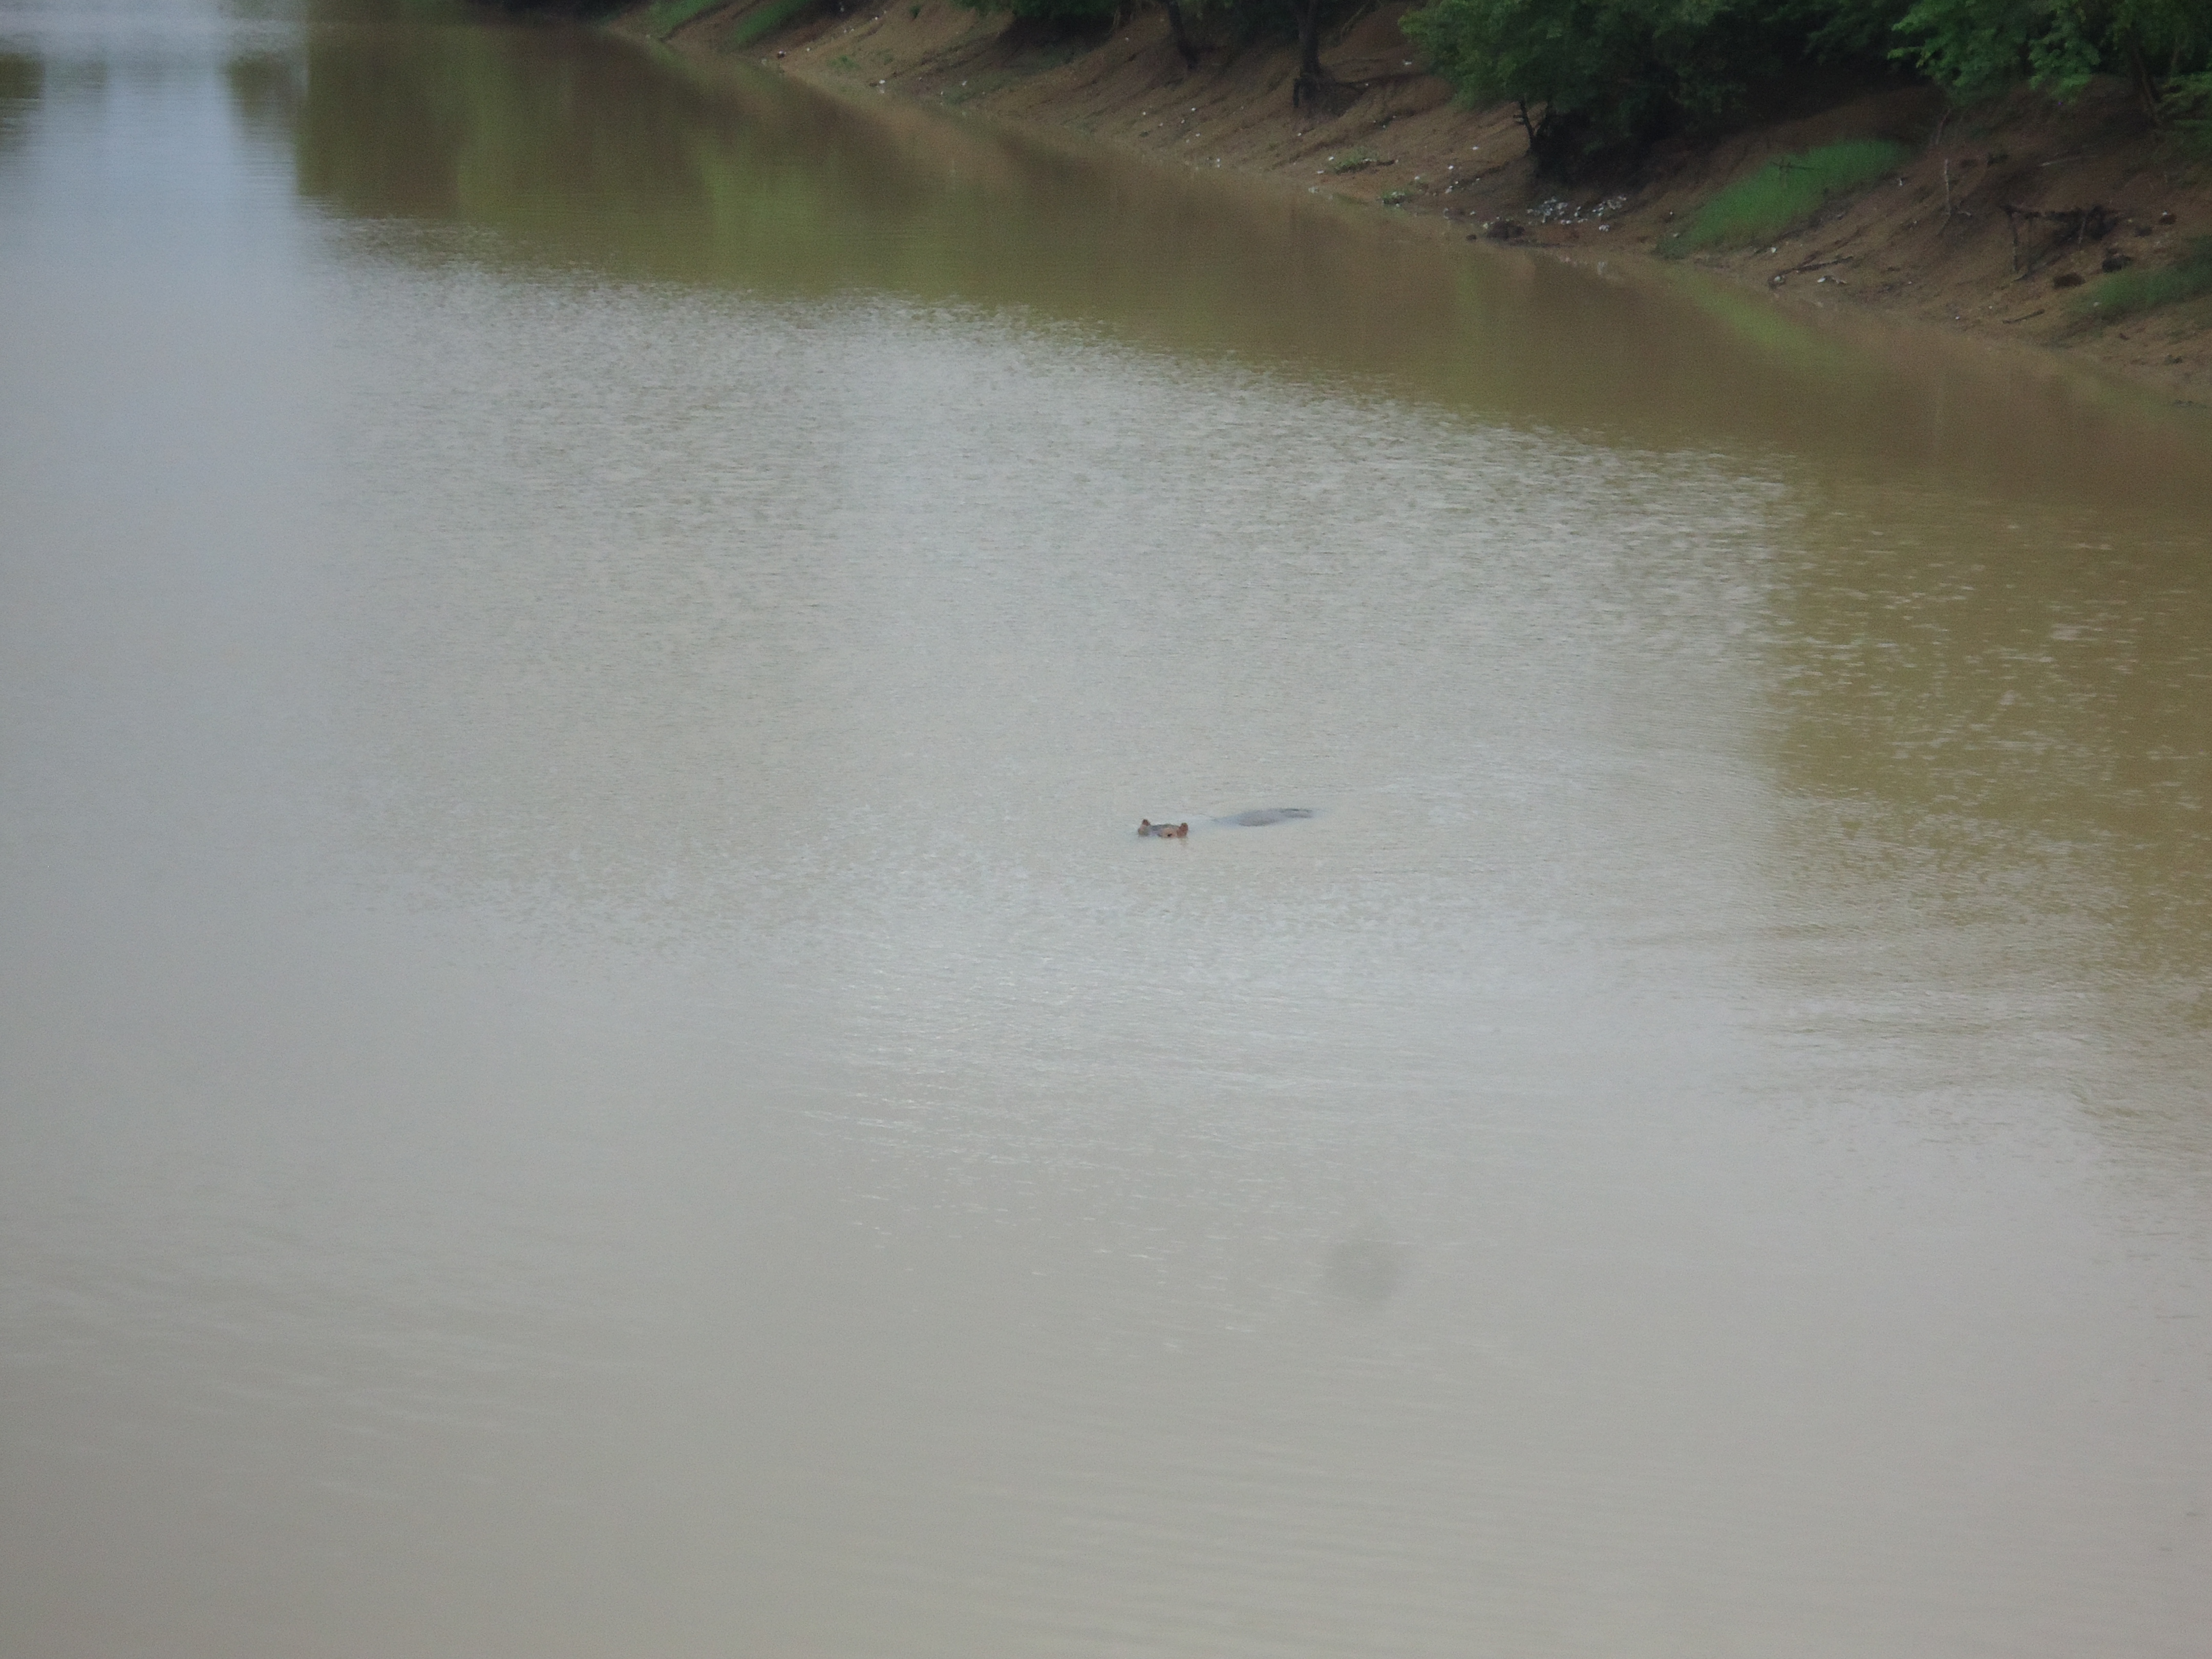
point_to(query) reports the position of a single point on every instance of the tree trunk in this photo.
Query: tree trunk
(1183, 45)
(1307, 88)
(2147, 90)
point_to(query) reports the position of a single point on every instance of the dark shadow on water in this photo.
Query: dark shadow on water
(22, 79)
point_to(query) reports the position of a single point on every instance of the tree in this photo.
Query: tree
(1312, 80)
(1977, 48)
(1196, 24)
(1057, 16)
(1590, 77)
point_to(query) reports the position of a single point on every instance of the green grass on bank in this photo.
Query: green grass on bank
(664, 17)
(763, 20)
(1785, 192)
(2130, 291)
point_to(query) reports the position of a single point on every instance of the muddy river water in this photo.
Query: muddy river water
(591, 1063)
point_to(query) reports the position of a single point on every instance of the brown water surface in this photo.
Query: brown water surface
(591, 1062)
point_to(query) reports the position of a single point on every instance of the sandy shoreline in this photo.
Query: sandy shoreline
(1933, 245)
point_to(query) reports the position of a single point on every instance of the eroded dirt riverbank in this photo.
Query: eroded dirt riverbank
(1931, 242)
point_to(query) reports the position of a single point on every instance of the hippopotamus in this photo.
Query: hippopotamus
(1251, 820)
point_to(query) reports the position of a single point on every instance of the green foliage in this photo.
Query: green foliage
(1590, 76)
(1976, 47)
(1971, 46)
(2140, 290)
(1784, 192)
(1525, 51)
(2186, 107)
